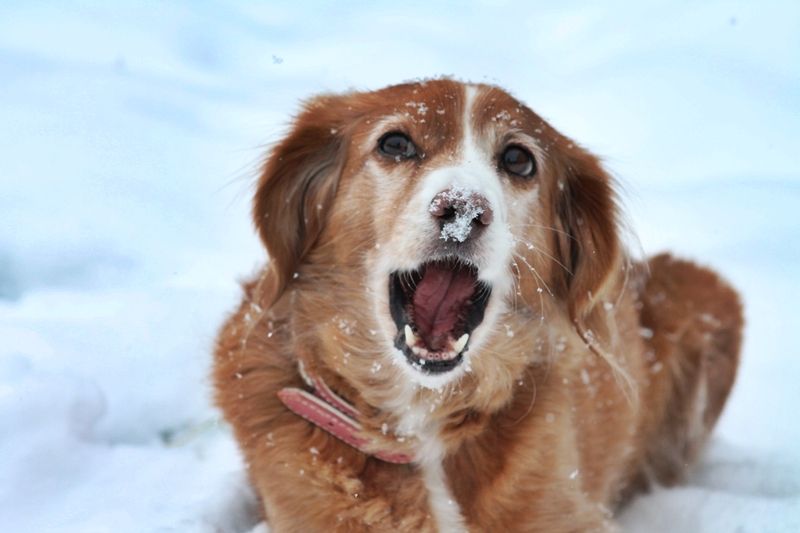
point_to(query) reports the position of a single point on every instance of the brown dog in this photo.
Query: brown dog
(449, 334)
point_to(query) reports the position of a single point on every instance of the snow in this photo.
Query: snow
(466, 210)
(130, 136)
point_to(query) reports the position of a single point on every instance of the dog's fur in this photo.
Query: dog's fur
(591, 376)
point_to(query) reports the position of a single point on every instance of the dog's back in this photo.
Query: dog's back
(692, 323)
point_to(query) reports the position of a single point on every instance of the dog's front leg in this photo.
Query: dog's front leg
(334, 488)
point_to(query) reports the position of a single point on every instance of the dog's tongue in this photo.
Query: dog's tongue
(440, 295)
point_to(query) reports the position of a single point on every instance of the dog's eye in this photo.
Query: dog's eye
(518, 161)
(397, 145)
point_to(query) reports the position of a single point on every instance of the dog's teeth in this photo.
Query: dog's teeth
(411, 339)
(458, 347)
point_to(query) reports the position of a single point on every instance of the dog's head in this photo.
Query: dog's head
(430, 214)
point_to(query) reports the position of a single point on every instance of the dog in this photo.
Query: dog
(450, 334)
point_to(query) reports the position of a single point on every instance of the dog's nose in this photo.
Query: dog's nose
(459, 212)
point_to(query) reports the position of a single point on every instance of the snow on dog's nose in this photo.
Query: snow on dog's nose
(460, 212)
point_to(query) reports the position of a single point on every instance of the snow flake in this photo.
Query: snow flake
(502, 116)
(419, 106)
(345, 326)
(561, 344)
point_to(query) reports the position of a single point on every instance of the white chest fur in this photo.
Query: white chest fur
(429, 455)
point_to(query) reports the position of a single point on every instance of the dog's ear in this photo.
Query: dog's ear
(589, 244)
(298, 185)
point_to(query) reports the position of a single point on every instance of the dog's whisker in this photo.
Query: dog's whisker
(538, 278)
(516, 282)
(535, 272)
(532, 378)
(553, 229)
(537, 249)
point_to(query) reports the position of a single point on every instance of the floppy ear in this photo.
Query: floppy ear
(589, 245)
(297, 187)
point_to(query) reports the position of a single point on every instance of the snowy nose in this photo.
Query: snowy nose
(460, 212)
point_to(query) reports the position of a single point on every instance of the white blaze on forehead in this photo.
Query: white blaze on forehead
(471, 152)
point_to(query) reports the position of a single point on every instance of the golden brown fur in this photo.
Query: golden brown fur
(601, 376)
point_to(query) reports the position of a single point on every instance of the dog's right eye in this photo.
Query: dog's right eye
(518, 161)
(397, 145)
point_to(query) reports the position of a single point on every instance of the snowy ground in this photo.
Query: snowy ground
(128, 136)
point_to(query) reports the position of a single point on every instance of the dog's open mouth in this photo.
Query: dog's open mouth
(436, 308)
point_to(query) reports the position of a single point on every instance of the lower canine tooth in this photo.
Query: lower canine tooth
(411, 339)
(458, 347)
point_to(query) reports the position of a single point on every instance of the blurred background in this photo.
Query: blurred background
(130, 135)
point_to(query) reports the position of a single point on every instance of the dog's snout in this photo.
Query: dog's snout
(459, 212)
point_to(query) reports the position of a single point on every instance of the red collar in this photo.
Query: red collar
(332, 413)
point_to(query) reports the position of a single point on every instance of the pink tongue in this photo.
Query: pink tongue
(441, 294)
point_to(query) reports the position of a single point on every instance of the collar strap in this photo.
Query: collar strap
(332, 413)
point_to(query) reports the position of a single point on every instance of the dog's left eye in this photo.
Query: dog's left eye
(397, 145)
(518, 161)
